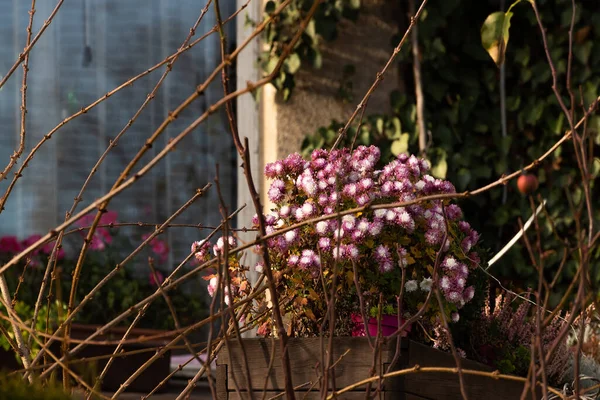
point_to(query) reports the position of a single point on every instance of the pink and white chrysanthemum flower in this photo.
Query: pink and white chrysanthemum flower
(375, 228)
(308, 209)
(259, 267)
(285, 211)
(380, 213)
(351, 252)
(338, 251)
(426, 284)
(212, 286)
(324, 243)
(454, 297)
(293, 260)
(218, 248)
(450, 263)
(322, 227)
(411, 285)
(291, 236)
(363, 199)
(469, 293)
(445, 283)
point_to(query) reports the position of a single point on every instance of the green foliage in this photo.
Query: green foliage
(382, 131)
(14, 387)
(47, 320)
(462, 99)
(125, 290)
(323, 26)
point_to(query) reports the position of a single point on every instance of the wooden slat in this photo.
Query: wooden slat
(222, 382)
(316, 396)
(354, 355)
(447, 384)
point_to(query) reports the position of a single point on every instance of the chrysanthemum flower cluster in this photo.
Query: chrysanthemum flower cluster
(378, 242)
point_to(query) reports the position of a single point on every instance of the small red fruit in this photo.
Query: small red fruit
(527, 184)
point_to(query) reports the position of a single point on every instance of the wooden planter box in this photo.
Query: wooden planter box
(305, 357)
(122, 367)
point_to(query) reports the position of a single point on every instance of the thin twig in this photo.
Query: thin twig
(419, 97)
(21, 147)
(27, 49)
(418, 369)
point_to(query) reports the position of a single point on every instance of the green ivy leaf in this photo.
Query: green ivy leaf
(354, 4)
(582, 52)
(270, 7)
(401, 145)
(379, 125)
(464, 177)
(595, 168)
(292, 63)
(271, 65)
(494, 35)
(440, 169)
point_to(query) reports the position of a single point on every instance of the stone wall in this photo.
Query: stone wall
(366, 44)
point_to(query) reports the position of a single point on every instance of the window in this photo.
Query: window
(91, 47)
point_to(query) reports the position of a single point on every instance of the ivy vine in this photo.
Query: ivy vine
(323, 26)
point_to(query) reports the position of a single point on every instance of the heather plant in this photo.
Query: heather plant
(503, 338)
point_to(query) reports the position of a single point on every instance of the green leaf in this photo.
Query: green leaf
(582, 52)
(397, 127)
(355, 4)
(287, 92)
(438, 45)
(463, 177)
(310, 28)
(379, 125)
(522, 56)
(292, 63)
(440, 169)
(401, 145)
(557, 127)
(494, 35)
(505, 144)
(270, 7)
(271, 65)
(595, 168)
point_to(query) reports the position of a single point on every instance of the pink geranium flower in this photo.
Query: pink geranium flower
(45, 249)
(10, 244)
(102, 236)
(156, 279)
(159, 248)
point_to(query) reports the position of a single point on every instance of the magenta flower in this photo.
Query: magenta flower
(102, 236)
(10, 244)
(159, 248)
(46, 249)
(156, 278)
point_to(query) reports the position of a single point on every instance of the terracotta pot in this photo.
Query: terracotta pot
(389, 326)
